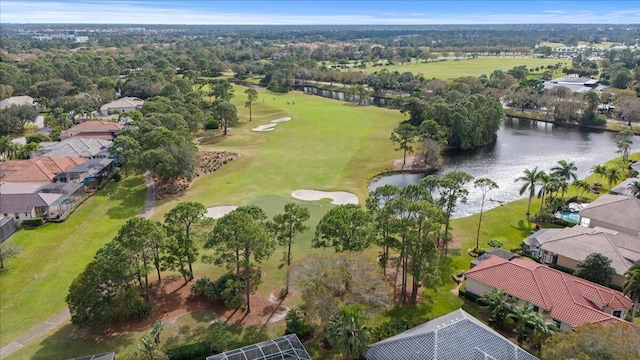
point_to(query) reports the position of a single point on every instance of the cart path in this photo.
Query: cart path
(64, 315)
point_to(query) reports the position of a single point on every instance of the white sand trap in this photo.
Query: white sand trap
(265, 127)
(282, 119)
(337, 197)
(217, 212)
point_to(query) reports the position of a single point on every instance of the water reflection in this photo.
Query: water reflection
(522, 144)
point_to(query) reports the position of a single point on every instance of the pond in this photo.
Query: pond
(522, 144)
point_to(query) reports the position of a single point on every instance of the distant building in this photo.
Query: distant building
(575, 83)
(122, 105)
(41, 169)
(17, 101)
(93, 129)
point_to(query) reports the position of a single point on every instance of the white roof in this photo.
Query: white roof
(19, 187)
(124, 102)
(17, 101)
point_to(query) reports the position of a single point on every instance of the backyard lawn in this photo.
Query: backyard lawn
(34, 284)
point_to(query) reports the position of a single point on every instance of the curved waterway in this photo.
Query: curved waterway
(522, 144)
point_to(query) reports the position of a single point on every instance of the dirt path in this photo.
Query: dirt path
(64, 315)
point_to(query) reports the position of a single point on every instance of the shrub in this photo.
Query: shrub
(481, 252)
(33, 222)
(495, 243)
(200, 287)
(212, 124)
(197, 350)
(296, 324)
(116, 176)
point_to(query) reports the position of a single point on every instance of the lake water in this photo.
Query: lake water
(522, 144)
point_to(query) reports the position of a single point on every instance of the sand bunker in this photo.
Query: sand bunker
(282, 119)
(271, 125)
(217, 212)
(337, 197)
(265, 127)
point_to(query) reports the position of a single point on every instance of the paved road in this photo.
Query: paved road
(64, 315)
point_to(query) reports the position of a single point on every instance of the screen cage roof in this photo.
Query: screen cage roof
(287, 347)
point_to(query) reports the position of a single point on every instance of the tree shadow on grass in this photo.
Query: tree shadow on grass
(126, 198)
(69, 342)
(525, 227)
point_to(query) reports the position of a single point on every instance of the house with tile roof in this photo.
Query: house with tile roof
(78, 147)
(456, 335)
(567, 300)
(122, 105)
(572, 245)
(41, 169)
(533, 242)
(94, 129)
(615, 212)
(17, 101)
(29, 206)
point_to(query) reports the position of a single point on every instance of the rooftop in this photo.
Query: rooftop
(85, 129)
(287, 347)
(80, 147)
(125, 102)
(453, 336)
(540, 237)
(618, 210)
(22, 203)
(564, 297)
(38, 169)
(578, 242)
(16, 101)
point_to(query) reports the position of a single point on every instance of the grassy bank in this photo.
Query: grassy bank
(35, 283)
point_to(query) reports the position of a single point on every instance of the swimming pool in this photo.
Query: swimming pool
(574, 217)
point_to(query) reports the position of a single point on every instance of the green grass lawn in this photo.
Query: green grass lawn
(452, 69)
(35, 283)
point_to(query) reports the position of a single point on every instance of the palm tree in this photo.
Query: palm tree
(498, 304)
(542, 329)
(599, 171)
(346, 331)
(565, 171)
(582, 186)
(530, 179)
(634, 187)
(543, 180)
(613, 176)
(631, 286)
(523, 317)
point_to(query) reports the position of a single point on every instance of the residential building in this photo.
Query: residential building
(95, 129)
(623, 188)
(575, 83)
(567, 300)
(29, 206)
(454, 336)
(93, 170)
(507, 255)
(78, 147)
(572, 245)
(17, 101)
(533, 242)
(615, 212)
(41, 169)
(121, 105)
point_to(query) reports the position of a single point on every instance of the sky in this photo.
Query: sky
(327, 12)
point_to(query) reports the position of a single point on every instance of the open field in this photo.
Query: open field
(35, 283)
(452, 69)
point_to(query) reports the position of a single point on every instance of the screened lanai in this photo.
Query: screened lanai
(287, 347)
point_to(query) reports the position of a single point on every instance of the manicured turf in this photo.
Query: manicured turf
(452, 69)
(35, 283)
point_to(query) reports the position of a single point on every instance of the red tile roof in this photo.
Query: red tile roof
(562, 296)
(41, 168)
